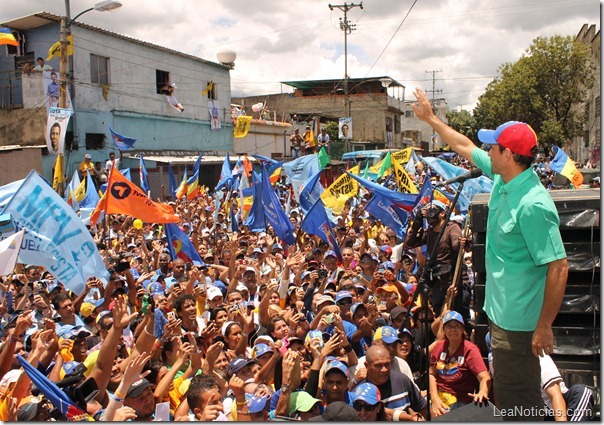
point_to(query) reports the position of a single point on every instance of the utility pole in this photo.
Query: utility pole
(347, 28)
(433, 91)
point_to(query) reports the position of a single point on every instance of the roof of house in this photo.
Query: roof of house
(39, 19)
(310, 84)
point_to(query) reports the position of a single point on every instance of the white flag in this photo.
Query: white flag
(9, 251)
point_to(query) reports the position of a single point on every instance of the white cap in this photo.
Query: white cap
(214, 292)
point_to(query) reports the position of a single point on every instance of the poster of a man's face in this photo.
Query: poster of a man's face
(53, 90)
(56, 126)
(345, 128)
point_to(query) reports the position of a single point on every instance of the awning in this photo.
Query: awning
(187, 159)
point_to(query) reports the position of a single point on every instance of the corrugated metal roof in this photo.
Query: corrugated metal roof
(309, 84)
(18, 147)
(43, 18)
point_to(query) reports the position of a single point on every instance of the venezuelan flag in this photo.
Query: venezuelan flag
(563, 164)
(7, 37)
(182, 189)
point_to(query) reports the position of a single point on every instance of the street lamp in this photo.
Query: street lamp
(102, 6)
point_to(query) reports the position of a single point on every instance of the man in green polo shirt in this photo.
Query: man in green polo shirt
(525, 259)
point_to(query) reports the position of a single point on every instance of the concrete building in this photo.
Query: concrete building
(115, 81)
(588, 146)
(376, 108)
(420, 133)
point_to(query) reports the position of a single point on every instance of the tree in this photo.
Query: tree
(540, 89)
(337, 145)
(463, 122)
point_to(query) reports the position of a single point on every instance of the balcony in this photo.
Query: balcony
(19, 90)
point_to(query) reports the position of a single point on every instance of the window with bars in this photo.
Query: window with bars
(212, 92)
(95, 141)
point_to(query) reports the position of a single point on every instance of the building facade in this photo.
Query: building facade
(118, 82)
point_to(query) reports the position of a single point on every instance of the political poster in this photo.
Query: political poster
(53, 91)
(345, 128)
(56, 128)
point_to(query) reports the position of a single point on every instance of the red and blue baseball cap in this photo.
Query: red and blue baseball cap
(516, 136)
(368, 393)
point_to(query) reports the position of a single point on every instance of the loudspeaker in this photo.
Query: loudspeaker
(472, 413)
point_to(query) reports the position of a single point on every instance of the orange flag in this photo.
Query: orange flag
(124, 197)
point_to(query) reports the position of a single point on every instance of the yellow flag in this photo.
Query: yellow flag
(55, 49)
(80, 192)
(243, 126)
(403, 181)
(58, 177)
(341, 189)
(402, 157)
(208, 88)
(355, 170)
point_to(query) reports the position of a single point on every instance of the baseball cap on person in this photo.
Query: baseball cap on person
(73, 332)
(313, 333)
(342, 295)
(261, 349)
(518, 137)
(87, 156)
(323, 299)
(330, 253)
(28, 411)
(397, 311)
(256, 404)
(214, 292)
(355, 307)
(86, 309)
(301, 401)
(452, 315)
(387, 334)
(387, 249)
(439, 204)
(368, 393)
(336, 365)
(237, 364)
(137, 389)
(249, 269)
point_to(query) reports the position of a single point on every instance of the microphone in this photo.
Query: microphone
(472, 174)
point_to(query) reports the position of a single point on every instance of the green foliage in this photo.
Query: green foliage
(540, 89)
(337, 145)
(463, 122)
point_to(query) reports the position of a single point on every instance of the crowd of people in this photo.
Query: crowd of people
(260, 331)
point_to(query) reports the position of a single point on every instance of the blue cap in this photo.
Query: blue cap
(452, 315)
(388, 265)
(355, 306)
(55, 284)
(261, 349)
(343, 294)
(70, 367)
(388, 333)
(277, 246)
(237, 364)
(305, 274)
(407, 332)
(336, 365)
(158, 276)
(330, 253)
(256, 404)
(155, 288)
(368, 393)
(73, 332)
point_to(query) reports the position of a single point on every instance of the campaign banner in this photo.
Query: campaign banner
(214, 109)
(56, 128)
(37, 207)
(53, 90)
(345, 128)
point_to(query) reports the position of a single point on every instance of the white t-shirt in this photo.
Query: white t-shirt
(549, 375)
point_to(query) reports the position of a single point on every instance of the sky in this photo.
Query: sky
(454, 46)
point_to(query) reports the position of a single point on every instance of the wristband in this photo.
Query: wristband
(119, 395)
(241, 403)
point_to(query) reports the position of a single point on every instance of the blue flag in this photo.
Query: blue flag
(180, 245)
(197, 163)
(310, 192)
(405, 201)
(122, 142)
(92, 195)
(482, 184)
(300, 170)
(126, 173)
(255, 219)
(172, 180)
(273, 212)
(144, 176)
(226, 176)
(391, 216)
(269, 162)
(424, 197)
(53, 393)
(317, 223)
(37, 207)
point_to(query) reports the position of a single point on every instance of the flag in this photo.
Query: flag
(270, 163)
(55, 49)
(54, 394)
(300, 170)
(288, 203)
(317, 223)
(124, 197)
(323, 157)
(7, 191)
(311, 192)
(193, 186)
(424, 197)
(35, 249)
(71, 189)
(482, 184)
(58, 176)
(403, 156)
(182, 189)
(242, 126)
(403, 181)
(366, 172)
(563, 164)
(126, 173)
(226, 176)
(9, 252)
(355, 170)
(144, 176)
(246, 199)
(247, 166)
(80, 192)
(180, 245)
(386, 165)
(393, 217)
(208, 88)
(400, 200)
(172, 180)
(234, 224)
(197, 163)
(7, 37)
(335, 196)
(273, 212)
(37, 207)
(91, 196)
(122, 142)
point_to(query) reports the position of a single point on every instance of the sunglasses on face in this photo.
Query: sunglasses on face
(368, 407)
(345, 302)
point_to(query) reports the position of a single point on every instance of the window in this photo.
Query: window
(598, 107)
(409, 114)
(388, 124)
(70, 144)
(95, 140)
(212, 92)
(587, 108)
(99, 69)
(586, 138)
(162, 78)
(397, 124)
